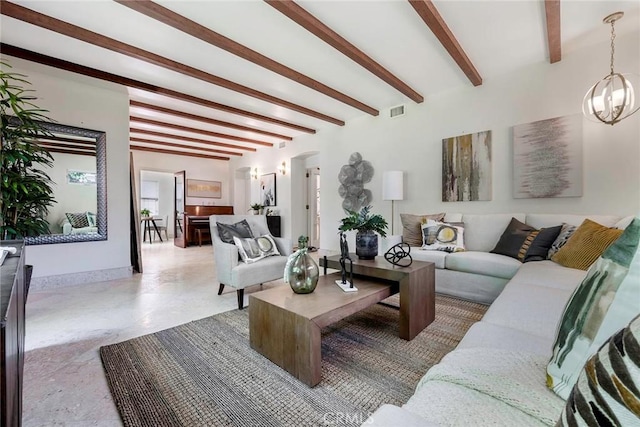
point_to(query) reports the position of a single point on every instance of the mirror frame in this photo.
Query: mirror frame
(100, 138)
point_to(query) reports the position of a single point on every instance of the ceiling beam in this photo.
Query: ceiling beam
(189, 139)
(309, 22)
(70, 146)
(200, 131)
(190, 147)
(175, 153)
(439, 28)
(65, 151)
(61, 64)
(552, 12)
(205, 119)
(61, 27)
(179, 22)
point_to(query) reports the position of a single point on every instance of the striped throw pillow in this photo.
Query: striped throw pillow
(588, 242)
(608, 390)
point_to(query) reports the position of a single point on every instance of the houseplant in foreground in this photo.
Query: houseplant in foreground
(366, 225)
(26, 190)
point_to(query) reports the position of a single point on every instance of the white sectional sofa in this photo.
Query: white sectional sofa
(496, 375)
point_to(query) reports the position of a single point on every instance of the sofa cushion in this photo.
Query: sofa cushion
(483, 263)
(253, 249)
(441, 236)
(607, 391)
(77, 220)
(549, 274)
(489, 335)
(482, 231)
(436, 257)
(228, 231)
(605, 301)
(586, 244)
(247, 274)
(529, 308)
(526, 243)
(563, 237)
(411, 232)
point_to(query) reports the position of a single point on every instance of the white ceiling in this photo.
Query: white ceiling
(498, 37)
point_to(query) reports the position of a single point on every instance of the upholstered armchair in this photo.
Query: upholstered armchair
(230, 268)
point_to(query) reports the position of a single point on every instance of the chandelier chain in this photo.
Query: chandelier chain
(613, 47)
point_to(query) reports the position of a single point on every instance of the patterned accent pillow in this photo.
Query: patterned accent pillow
(228, 231)
(588, 242)
(91, 219)
(605, 302)
(254, 249)
(525, 243)
(566, 232)
(608, 389)
(78, 220)
(411, 227)
(441, 236)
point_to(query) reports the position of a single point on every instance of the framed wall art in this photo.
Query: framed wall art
(204, 189)
(547, 158)
(466, 167)
(268, 189)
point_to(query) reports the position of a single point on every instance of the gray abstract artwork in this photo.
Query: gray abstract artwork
(352, 178)
(547, 158)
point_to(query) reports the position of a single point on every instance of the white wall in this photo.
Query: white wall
(70, 197)
(84, 102)
(195, 168)
(413, 143)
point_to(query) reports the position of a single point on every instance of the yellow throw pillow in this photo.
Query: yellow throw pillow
(586, 244)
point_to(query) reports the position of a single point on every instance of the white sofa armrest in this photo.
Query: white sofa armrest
(391, 416)
(226, 256)
(284, 245)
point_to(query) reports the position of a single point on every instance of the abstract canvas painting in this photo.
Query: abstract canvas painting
(268, 189)
(466, 167)
(206, 189)
(547, 158)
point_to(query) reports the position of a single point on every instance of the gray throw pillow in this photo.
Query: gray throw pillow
(239, 229)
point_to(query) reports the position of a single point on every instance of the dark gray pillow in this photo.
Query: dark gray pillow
(239, 229)
(525, 243)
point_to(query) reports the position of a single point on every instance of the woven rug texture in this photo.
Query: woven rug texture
(204, 373)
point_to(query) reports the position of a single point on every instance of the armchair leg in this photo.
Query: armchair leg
(221, 288)
(240, 299)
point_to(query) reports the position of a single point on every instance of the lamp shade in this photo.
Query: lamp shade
(393, 185)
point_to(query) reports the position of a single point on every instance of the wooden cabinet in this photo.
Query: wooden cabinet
(14, 287)
(273, 222)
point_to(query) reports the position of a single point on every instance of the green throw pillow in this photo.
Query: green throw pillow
(608, 390)
(606, 301)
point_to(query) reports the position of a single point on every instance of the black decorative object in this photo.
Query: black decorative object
(399, 255)
(344, 256)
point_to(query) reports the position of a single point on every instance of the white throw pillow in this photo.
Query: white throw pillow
(253, 249)
(442, 236)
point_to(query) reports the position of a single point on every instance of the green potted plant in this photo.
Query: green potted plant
(256, 208)
(367, 225)
(26, 190)
(145, 213)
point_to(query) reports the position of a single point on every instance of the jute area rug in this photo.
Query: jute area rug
(204, 373)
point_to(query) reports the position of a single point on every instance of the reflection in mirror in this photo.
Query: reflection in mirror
(80, 190)
(178, 233)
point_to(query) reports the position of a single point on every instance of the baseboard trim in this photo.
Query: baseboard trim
(72, 279)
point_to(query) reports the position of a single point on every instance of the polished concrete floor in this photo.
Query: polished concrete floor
(64, 383)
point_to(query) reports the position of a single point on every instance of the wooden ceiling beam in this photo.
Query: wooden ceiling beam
(61, 27)
(189, 139)
(554, 40)
(205, 119)
(199, 131)
(309, 22)
(181, 23)
(176, 153)
(439, 28)
(66, 151)
(189, 147)
(71, 146)
(61, 64)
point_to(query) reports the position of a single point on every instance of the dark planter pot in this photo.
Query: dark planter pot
(366, 244)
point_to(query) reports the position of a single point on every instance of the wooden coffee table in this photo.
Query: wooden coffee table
(286, 327)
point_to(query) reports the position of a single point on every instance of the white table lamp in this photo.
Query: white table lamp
(393, 189)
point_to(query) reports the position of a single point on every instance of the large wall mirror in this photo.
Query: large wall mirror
(79, 173)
